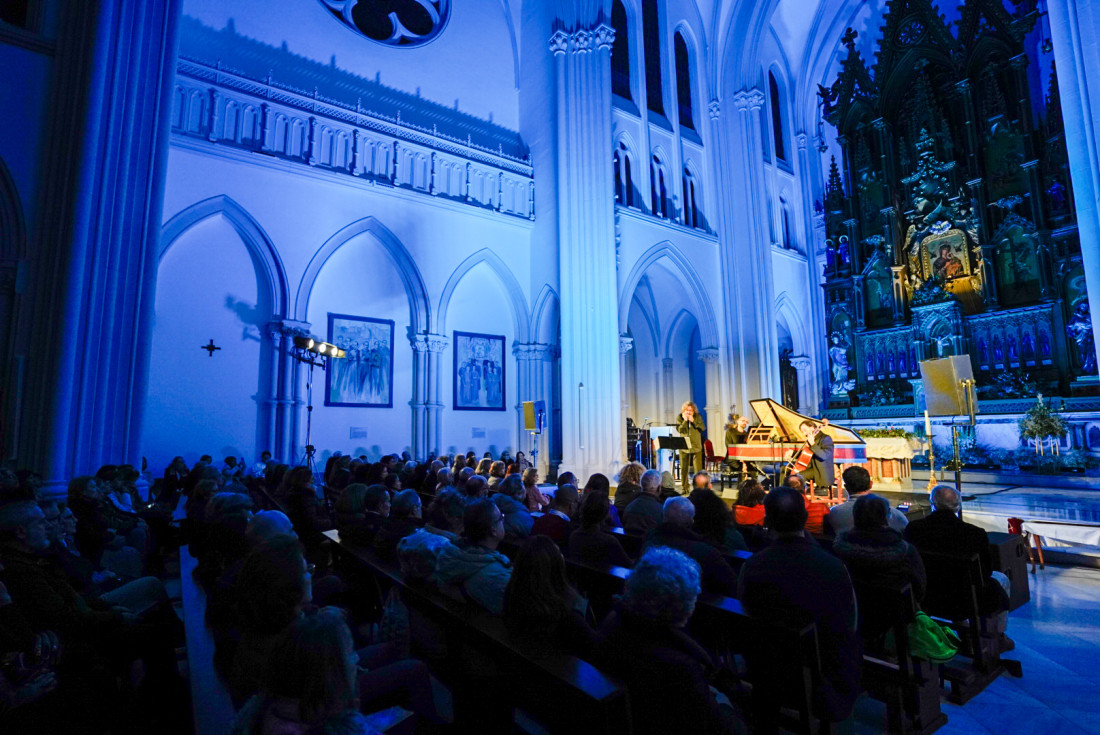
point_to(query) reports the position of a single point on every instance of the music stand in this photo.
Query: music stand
(678, 443)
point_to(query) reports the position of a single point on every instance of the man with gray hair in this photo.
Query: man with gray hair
(943, 531)
(675, 532)
(644, 512)
(644, 643)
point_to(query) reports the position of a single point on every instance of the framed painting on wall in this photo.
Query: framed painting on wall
(478, 372)
(364, 378)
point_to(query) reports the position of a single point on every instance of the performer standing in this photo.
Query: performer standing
(820, 469)
(691, 427)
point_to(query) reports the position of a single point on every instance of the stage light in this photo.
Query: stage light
(310, 344)
(321, 348)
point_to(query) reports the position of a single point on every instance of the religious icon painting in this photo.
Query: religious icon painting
(947, 255)
(478, 372)
(364, 377)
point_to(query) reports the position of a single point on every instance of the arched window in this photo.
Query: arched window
(620, 51)
(691, 207)
(777, 119)
(785, 213)
(683, 82)
(658, 190)
(624, 186)
(651, 30)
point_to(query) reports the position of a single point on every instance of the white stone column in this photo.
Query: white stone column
(712, 412)
(745, 251)
(806, 385)
(435, 344)
(668, 387)
(1075, 28)
(533, 384)
(626, 344)
(425, 404)
(586, 230)
(815, 298)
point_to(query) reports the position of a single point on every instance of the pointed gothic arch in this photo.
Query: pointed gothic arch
(255, 239)
(507, 279)
(419, 310)
(701, 305)
(546, 316)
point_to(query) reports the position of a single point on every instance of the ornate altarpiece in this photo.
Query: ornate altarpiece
(949, 221)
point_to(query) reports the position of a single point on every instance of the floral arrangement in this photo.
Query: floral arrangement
(888, 433)
(1041, 423)
(930, 292)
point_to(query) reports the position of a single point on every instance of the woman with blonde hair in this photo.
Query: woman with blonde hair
(691, 428)
(630, 485)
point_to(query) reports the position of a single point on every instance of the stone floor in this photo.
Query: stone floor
(1057, 637)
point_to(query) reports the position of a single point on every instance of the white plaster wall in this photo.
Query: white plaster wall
(202, 404)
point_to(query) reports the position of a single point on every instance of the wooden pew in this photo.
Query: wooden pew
(908, 686)
(631, 542)
(211, 706)
(561, 691)
(954, 587)
(783, 665)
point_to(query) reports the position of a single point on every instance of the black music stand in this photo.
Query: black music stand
(673, 442)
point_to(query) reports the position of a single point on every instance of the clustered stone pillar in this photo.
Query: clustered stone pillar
(534, 365)
(427, 408)
(591, 430)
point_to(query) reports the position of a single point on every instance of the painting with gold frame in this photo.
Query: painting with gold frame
(946, 256)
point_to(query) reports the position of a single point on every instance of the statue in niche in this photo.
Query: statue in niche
(983, 354)
(902, 366)
(998, 351)
(838, 356)
(830, 255)
(870, 367)
(1028, 347)
(1044, 344)
(890, 364)
(844, 256)
(1080, 329)
(1059, 204)
(1013, 355)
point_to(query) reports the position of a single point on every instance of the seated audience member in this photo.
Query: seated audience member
(668, 487)
(260, 468)
(555, 522)
(877, 554)
(95, 537)
(794, 582)
(675, 532)
(106, 629)
(590, 544)
(418, 554)
(644, 512)
(444, 515)
(815, 512)
(475, 570)
(444, 480)
(476, 488)
(714, 522)
(172, 486)
(227, 516)
(540, 603)
(405, 517)
(598, 483)
(535, 500)
(273, 588)
(630, 487)
(483, 467)
(748, 508)
(857, 482)
(356, 530)
(461, 477)
(509, 499)
(496, 475)
(392, 482)
(666, 671)
(943, 531)
(310, 683)
(305, 511)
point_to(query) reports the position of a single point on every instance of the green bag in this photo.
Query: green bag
(930, 640)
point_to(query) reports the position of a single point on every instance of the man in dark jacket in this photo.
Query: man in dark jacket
(942, 530)
(675, 532)
(644, 512)
(794, 582)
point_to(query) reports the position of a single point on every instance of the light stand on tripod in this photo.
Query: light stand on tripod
(309, 351)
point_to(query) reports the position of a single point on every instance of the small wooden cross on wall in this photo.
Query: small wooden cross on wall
(210, 347)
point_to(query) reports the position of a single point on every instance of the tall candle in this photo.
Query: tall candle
(927, 426)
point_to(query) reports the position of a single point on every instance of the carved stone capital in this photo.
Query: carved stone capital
(709, 355)
(801, 363)
(749, 99)
(559, 42)
(802, 141)
(714, 108)
(626, 344)
(603, 36)
(428, 342)
(532, 351)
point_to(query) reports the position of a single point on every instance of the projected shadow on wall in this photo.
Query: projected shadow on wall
(249, 316)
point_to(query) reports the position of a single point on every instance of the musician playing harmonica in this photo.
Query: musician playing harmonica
(691, 428)
(819, 470)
